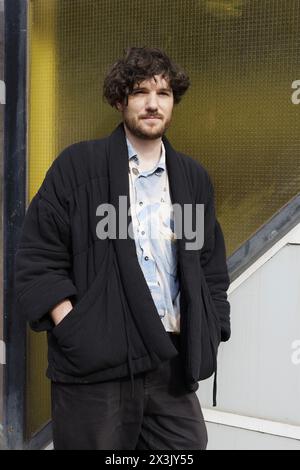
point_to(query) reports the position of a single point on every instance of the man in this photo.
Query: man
(134, 318)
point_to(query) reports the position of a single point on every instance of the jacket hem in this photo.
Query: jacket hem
(142, 364)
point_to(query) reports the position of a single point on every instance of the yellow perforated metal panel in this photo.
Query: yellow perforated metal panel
(42, 146)
(238, 118)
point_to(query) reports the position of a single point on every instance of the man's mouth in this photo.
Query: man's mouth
(150, 117)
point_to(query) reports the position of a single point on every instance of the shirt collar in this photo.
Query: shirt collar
(162, 161)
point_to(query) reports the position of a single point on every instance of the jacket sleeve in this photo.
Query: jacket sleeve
(213, 262)
(43, 259)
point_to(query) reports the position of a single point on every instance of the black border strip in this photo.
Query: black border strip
(14, 206)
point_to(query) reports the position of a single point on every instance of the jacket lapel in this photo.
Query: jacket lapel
(136, 289)
(188, 260)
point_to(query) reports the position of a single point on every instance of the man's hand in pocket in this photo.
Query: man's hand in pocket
(61, 310)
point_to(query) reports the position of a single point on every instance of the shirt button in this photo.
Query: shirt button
(141, 203)
(146, 258)
(162, 200)
(135, 171)
(143, 233)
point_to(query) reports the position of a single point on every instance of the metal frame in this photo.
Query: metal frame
(264, 238)
(249, 423)
(41, 438)
(14, 206)
(14, 209)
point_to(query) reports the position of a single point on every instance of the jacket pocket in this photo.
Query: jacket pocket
(92, 336)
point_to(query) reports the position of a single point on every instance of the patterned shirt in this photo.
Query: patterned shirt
(153, 230)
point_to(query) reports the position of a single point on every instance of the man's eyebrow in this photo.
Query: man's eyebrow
(159, 89)
(165, 89)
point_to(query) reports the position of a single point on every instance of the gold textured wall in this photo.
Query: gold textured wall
(237, 118)
(42, 146)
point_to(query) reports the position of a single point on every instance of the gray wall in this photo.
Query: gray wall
(257, 377)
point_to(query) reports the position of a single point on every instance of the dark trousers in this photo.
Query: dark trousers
(161, 415)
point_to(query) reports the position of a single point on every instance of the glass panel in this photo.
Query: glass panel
(238, 118)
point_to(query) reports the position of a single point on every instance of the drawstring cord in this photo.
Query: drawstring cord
(215, 388)
(215, 349)
(129, 355)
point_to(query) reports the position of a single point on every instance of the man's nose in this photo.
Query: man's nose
(151, 102)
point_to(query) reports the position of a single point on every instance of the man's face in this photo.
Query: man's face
(149, 110)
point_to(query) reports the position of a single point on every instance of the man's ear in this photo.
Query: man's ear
(119, 106)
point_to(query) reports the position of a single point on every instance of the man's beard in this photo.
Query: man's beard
(146, 135)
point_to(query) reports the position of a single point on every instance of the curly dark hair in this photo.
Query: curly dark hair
(138, 64)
